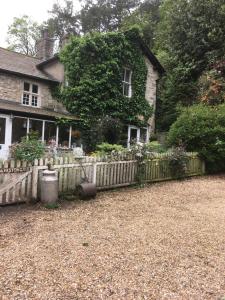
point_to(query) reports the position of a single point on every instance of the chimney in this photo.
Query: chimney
(45, 46)
(65, 40)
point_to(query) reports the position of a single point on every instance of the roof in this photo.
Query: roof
(152, 58)
(13, 107)
(20, 64)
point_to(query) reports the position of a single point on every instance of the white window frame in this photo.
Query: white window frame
(129, 83)
(130, 127)
(31, 94)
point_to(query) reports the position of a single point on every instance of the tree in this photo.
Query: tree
(23, 35)
(201, 128)
(190, 37)
(147, 18)
(63, 21)
(105, 15)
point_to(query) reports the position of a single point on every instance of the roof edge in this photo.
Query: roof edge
(30, 76)
(48, 61)
(152, 58)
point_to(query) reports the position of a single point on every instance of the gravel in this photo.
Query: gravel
(165, 241)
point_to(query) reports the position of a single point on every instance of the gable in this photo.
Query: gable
(20, 64)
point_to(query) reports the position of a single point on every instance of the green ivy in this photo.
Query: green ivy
(94, 66)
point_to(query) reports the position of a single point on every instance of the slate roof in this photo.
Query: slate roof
(15, 107)
(20, 64)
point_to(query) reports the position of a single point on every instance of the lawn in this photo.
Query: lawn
(165, 241)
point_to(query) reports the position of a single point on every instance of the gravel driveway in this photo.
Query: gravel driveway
(166, 241)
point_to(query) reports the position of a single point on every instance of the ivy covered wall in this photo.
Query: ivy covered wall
(94, 67)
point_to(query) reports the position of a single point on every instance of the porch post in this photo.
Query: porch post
(128, 137)
(43, 132)
(70, 135)
(57, 136)
(28, 126)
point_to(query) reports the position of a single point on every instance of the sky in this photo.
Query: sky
(37, 10)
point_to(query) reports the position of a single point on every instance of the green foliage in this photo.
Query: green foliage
(178, 160)
(111, 130)
(105, 15)
(23, 34)
(155, 147)
(63, 20)
(212, 85)
(190, 37)
(147, 17)
(201, 128)
(52, 206)
(105, 148)
(29, 149)
(94, 67)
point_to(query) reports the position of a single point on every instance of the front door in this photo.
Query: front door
(5, 135)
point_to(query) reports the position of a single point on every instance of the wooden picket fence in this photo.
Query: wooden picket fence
(105, 174)
(19, 189)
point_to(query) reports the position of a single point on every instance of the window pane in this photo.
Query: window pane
(34, 101)
(75, 138)
(26, 98)
(50, 132)
(36, 125)
(26, 86)
(2, 130)
(127, 74)
(64, 136)
(19, 129)
(143, 135)
(126, 89)
(34, 89)
(133, 135)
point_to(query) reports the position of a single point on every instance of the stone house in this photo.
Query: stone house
(27, 102)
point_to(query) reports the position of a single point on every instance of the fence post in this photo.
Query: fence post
(94, 173)
(203, 167)
(34, 182)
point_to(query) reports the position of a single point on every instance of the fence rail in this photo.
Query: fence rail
(18, 190)
(13, 165)
(105, 174)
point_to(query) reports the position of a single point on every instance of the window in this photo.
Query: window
(127, 88)
(19, 129)
(136, 134)
(50, 132)
(63, 137)
(30, 94)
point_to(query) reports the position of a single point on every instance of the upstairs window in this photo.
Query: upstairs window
(30, 94)
(127, 86)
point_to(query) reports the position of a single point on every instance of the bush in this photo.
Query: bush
(155, 147)
(105, 148)
(29, 149)
(201, 128)
(178, 162)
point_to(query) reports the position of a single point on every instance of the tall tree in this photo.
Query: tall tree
(23, 35)
(105, 15)
(147, 17)
(63, 20)
(190, 37)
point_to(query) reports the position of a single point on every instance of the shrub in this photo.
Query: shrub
(201, 128)
(29, 149)
(155, 147)
(106, 148)
(178, 160)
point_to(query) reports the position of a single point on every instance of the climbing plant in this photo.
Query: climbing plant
(94, 67)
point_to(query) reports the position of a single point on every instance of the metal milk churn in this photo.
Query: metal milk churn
(49, 186)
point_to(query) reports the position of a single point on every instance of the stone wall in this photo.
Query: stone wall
(11, 89)
(151, 88)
